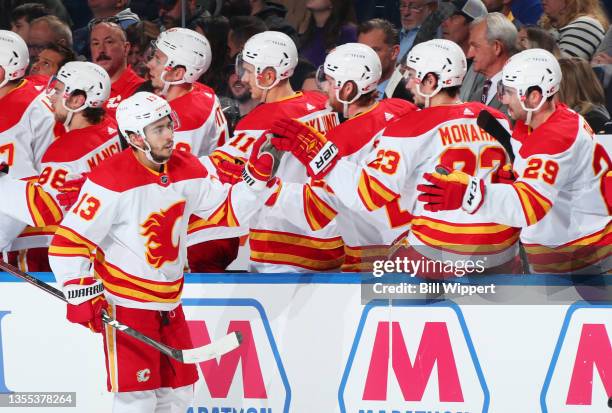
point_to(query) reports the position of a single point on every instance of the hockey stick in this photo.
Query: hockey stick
(489, 124)
(187, 356)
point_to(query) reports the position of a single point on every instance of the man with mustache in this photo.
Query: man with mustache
(110, 49)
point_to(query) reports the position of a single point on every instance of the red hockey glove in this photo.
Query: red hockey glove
(262, 164)
(504, 175)
(4, 168)
(309, 146)
(229, 172)
(608, 189)
(451, 191)
(69, 192)
(85, 302)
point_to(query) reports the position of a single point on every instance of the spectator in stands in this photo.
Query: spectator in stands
(580, 90)
(504, 7)
(310, 83)
(140, 44)
(112, 10)
(45, 30)
(329, 26)
(303, 69)
(215, 29)
(603, 55)
(457, 27)
(527, 11)
(110, 49)
(170, 13)
(238, 102)
(273, 14)
(241, 30)
(383, 38)
(532, 37)
(22, 16)
(579, 25)
(412, 15)
(50, 59)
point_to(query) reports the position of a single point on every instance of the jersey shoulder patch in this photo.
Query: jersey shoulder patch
(194, 108)
(555, 136)
(16, 103)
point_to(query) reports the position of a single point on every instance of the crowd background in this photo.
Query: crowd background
(489, 32)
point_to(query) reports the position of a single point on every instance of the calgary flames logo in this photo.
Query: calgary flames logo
(158, 228)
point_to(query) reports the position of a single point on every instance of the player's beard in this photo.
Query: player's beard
(161, 155)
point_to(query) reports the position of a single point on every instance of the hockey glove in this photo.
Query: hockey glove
(451, 190)
(229, 172)
(504, 175)
(85, 302)
(4, 168)
(262, 164)
(309, 146)
(69, 192)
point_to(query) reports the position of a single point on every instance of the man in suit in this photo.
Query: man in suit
(492, 42)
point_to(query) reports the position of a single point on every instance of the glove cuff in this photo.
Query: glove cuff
(474, 195)
(80, 290)
(323, 159)
(249, 178)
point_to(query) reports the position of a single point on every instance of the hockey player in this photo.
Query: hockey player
(558, 198)
(180, 57)
(266, 63)
(445, 131)
(26, 124)
(79, 90)
(133, 214)
(109, 49)
(349, 76)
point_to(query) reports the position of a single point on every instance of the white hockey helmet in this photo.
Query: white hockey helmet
(269, 49)
(529, 68)
(138, 111)
(184, 47)
(442, 57)
(14, 56)
(352, 62)
(86, 77)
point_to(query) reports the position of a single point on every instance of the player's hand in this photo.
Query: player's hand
(88, 302)
(69, 192)
(262, 164)
(451, 190)
(504, 175)
(309, 146)
(4, 168)
(229, 172)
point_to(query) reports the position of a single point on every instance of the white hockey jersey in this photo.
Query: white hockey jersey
(557, 199)
(408, 148)
(135, 219)
(201, 123)
(366, 234)
(75, 152)
(26, 130)
(277, 245)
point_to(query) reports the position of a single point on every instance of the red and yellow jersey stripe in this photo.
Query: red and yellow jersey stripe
(466, 239)
(67, 243)
(315, 254)
(373, 193)
(224, 215)
(128, 286)
(535, 206)
(318, 213)
(573, 256)
(361, 259)
(42, 207)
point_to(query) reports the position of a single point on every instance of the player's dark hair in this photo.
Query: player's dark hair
(539, 89)
(92, 115)
(452, 91)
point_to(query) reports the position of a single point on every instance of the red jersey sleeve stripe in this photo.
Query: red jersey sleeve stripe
(318, 213)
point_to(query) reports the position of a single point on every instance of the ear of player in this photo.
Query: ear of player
(451, 190)
(309, 146)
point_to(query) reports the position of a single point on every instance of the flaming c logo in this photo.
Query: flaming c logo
(158, 229)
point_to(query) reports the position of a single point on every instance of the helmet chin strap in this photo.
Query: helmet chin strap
(71, 113)
(428, 97)
(167, 84)
(531, 110)
(265, 89)
(147, 151)
(346, 103)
